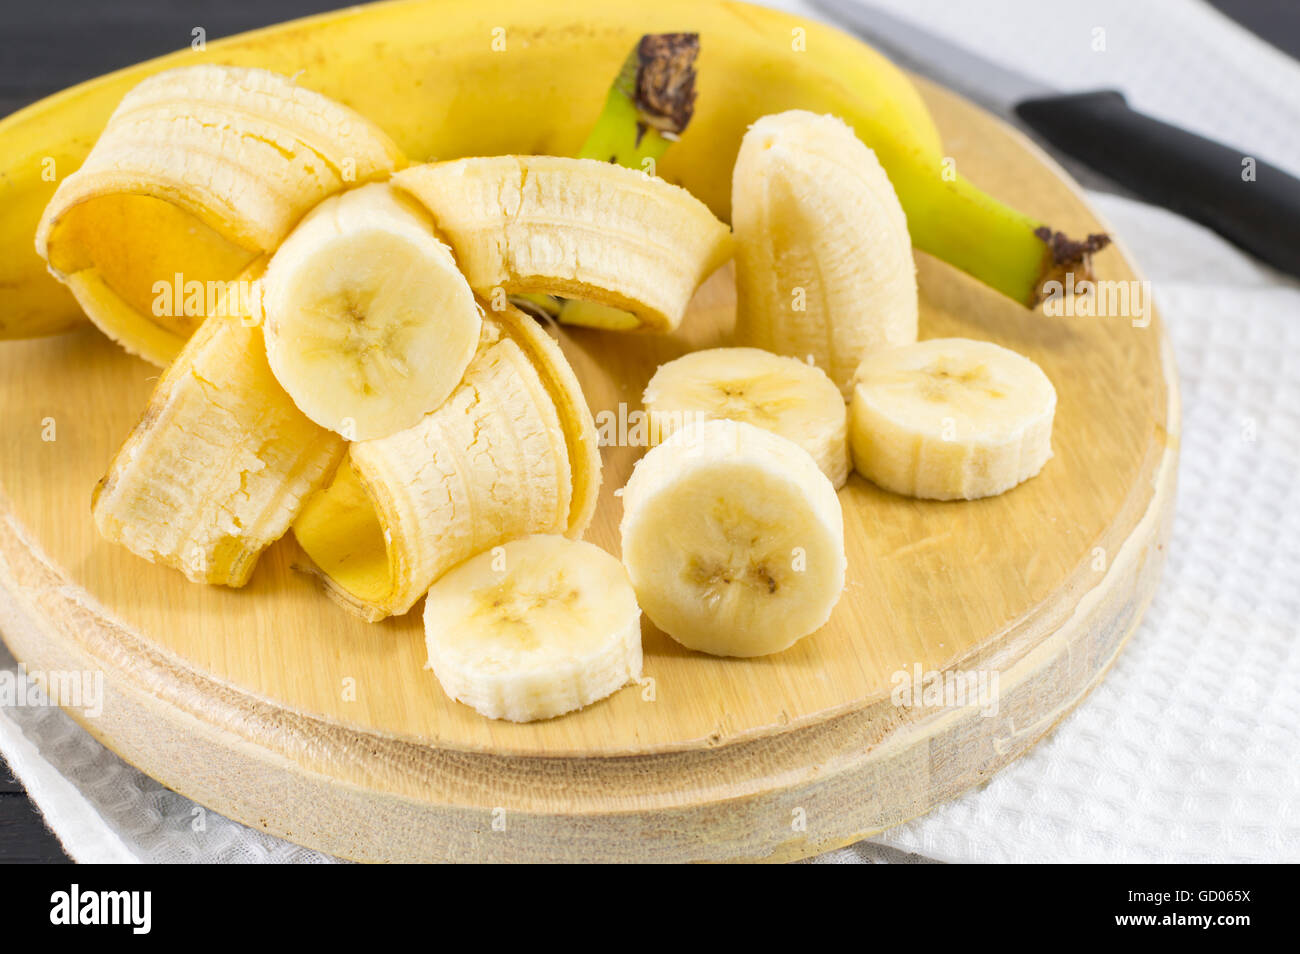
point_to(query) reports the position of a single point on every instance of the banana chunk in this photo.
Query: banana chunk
(951, 419)
(200, 171)
(573, 227)
(219, 465)
(734, 539)
(369, 324)
(490, 465)
(824, 265)
(783, 395)
(512, 452)
(533, 629)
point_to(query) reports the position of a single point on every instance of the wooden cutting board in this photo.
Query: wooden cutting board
(273, 706)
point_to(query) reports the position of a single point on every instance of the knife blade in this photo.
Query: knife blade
(1248, 201)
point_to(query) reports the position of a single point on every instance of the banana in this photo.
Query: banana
(200, 171)
(220, 463)
(369, 324)
(573, 227)
(951, 419)
(512, 452)
(782, 395)
(824, 266)
(533, 629)
(541, 75)
(733, 538)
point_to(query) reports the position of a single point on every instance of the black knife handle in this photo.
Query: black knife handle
(1196, 177)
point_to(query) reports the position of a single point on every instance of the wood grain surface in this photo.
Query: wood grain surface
(272, 705)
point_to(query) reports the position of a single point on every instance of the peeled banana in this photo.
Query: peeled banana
(219, 464)
(472, 453)
(511, 452)
(573, 227)
(783, 395)
(734, 539)
(200, 171)
(951, 419)
(533, 629)
(369, 324)
(824, 266)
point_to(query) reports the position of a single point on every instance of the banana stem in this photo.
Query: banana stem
(1007, 250)
(650, 102)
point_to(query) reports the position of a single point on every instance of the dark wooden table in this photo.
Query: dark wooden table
(24, 838)
(47, 46)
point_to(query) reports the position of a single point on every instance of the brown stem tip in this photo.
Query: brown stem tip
(1064, 254)
(665, 80)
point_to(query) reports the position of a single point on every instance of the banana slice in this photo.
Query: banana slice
(219, 465)
(734, 539)
(824, 265)
(369, 324)
(782, 395)
(533, 629)
(199, 172)
(951, 419)
(573, 227)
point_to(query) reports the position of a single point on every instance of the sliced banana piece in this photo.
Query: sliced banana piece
(734, 539)
(369, 324)
(200, 170)
(951, 419)
(219, 465)
(533, 629)
(824, 265)
(573, 227)
(782, 395)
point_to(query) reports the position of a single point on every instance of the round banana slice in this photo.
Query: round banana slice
(951, 419)
(734, 539)
(782, 395)
(534, 629)
(369, 324)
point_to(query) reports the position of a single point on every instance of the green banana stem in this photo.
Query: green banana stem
(1007, 250)
(650, 102)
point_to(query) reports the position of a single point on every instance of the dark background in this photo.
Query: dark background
(46, 46)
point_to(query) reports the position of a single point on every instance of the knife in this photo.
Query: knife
(1251, 203)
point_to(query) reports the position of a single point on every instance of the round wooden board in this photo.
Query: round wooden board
(273, 706)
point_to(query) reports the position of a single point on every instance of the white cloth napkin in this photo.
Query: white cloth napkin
(1188, 751)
